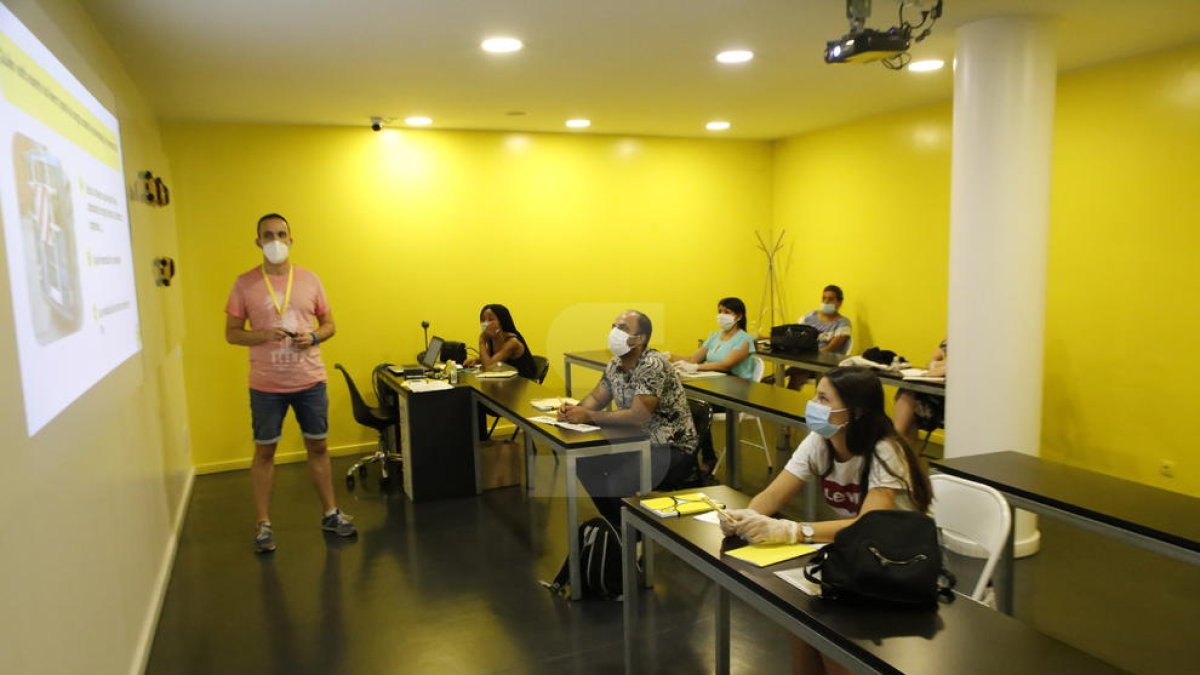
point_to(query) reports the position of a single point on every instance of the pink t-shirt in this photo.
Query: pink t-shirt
(278, 367)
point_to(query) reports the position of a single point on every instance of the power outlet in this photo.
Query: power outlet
(1167, 468)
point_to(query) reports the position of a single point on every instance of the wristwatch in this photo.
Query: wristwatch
(806, 529)
(314, 338)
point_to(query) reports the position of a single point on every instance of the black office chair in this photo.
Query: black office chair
(702, 418)
(543, 368)
(378, 418)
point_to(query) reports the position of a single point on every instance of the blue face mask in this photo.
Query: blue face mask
(816, 418)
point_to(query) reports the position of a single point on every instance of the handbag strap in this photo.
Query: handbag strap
(810, 571)
(946, 583)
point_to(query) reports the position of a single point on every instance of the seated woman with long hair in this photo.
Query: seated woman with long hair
(501, 342)
(862, 465)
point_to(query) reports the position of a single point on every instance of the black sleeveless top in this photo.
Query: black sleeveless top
(524, 364)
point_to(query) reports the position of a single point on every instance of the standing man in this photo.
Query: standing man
(648, 394)
(288, 317)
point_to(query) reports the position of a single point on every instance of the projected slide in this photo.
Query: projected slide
(66, 229)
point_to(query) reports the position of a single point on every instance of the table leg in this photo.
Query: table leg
(722, 636)
(475, 447)
(530, 461)
(1003, 586)
(629, 589)
(731, 448)
(647, 548)
(573, 531)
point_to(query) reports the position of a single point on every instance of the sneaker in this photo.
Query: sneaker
(339, 523)
(264, 538)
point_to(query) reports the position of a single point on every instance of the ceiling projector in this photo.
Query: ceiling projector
(866, 45)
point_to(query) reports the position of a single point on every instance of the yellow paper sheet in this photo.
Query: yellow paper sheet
(680, 505)
(763, 555)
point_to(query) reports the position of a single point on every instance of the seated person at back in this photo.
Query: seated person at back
(917, 410)
(727, 350)
(648, 395)
(501, 342)
(833, 331)
(862, 465)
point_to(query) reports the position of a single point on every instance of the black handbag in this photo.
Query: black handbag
(794, 338)
(886, 555)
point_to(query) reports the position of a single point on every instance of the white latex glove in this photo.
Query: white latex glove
(730, 518)
(759, 529)
(686, 366)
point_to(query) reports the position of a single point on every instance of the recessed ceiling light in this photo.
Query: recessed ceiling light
(735, 56)
(418, 121)
(579, 123)
(717, 125)
(501, 45)
(926, 65)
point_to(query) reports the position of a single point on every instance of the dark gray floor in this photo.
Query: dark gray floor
(452, 587)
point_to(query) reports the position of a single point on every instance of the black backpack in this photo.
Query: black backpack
(794, 338)
(886, 555)
(599, 562)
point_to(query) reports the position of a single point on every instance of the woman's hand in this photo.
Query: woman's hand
(759, 529)
(686, 366)
(730, 518)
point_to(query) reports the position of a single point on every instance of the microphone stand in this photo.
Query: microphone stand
(425, 328)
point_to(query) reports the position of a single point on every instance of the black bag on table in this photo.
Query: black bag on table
(794, 338)
(886, 555)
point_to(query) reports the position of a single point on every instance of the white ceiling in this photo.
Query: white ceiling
(632, 66)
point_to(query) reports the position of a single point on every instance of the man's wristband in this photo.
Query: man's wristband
(315, 339)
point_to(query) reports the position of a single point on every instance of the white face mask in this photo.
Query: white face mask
(618, 342)
(483, 327)
(829, 309)
(276, 252)
(726, 321)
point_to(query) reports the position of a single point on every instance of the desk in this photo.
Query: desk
(822, 362)
(1158, 520)
(960, 637)
(775, 404)
(509, 398)
(594, 359)
(441, 443)
(435, 441)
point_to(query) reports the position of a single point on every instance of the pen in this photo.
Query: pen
(719, 508)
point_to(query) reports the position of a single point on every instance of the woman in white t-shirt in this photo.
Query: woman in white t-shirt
(862, 463)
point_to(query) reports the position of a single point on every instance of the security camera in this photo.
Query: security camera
(376, 123)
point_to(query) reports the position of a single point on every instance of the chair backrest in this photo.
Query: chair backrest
(363, 413)
(976, 512)
(760, 369)
(702, 416)
(543, 367)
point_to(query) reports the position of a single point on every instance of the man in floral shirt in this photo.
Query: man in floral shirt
(648, 394)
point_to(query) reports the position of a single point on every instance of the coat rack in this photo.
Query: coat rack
(772, 302)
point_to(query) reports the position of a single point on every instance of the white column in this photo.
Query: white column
(1004, 81)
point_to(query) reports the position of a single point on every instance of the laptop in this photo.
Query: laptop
(428, 363)
(432, 353)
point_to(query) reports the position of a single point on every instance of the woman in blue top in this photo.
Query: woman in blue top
(727, 350)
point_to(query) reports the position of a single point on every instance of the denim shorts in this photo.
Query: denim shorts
(267, 411)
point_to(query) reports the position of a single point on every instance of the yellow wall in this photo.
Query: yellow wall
(1123, 301)
(411, 225)
(1120, 381)
(93, 500)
